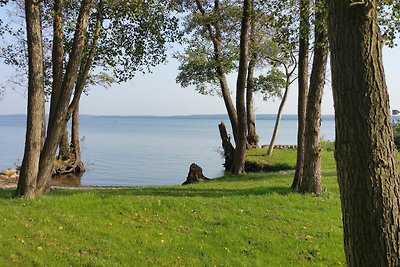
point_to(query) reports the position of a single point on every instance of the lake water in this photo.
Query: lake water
(148, 150)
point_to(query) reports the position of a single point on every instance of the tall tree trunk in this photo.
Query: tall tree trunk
(278, 117)
(365, 152)
(75, 145)
(230, 107)
(64, 152)
(57, 56)
(87, 63)
(54, 128)
(252, 137)
(58, 61)
(304, 37)
(215, 35)
(35, 112)
(240, 151)
(311, 182)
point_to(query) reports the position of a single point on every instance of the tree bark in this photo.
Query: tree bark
(55, 126)
(64, 152)
(58, 67)
(75, 144)
(229, 150)
(195, 175)
(35, 112)
(304, 36)
(240, 151)
(311, 181)
(252, 137)
(365, 152)
(57, 56)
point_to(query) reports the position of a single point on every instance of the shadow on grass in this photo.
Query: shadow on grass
(215, 188)
(7, 193)
(165, 192)
(187, 191)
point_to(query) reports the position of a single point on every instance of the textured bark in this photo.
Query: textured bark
(304, 37)
(35, 112)
(240, 151)
(75, 145)
(365, 152)
(64, 152)
(57, 56)
(278, 117)
(55, 126)
(229, 150)
(58, 61)
(311, 180)
(195, 175)
(252, 137)
(214, 31)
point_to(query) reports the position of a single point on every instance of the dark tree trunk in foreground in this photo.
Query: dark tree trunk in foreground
(35, 113)
(302, 88)
(240, 150)
(365, 152)
(311, 181)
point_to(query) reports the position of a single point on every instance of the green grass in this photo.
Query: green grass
(281, 159)
(252, 220)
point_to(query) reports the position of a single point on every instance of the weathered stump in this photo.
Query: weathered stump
(195, 175)
(229, 150)
(65, 167)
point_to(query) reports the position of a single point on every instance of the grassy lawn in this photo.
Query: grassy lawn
(253, 220)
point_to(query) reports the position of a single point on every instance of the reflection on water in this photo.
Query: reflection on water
(67, 180)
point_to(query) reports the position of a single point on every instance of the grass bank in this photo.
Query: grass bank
(254, 220)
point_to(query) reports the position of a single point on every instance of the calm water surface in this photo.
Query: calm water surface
(147, 150)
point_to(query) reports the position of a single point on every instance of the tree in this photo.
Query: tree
(208, 57)
(240, 150)
(212, 53)
(33, 140)
(365, 152)
(57, 118)
(289, 64)
(282, 27)
(311, 180)
(122, 49)
(304, 36)
(252, 137)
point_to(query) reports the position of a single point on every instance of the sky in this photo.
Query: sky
(158, 94)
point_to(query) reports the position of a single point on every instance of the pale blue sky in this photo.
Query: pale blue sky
(158, 94)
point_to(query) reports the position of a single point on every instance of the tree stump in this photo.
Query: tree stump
(195, 175)
(229, 150)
